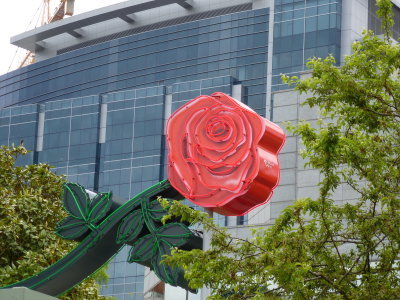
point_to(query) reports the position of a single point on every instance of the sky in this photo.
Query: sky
(19, 15)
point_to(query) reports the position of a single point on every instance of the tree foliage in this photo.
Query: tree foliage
(30, 208)
(317, 247)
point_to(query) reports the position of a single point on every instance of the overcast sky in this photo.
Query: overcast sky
(17, 16)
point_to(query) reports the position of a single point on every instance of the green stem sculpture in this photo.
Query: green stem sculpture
(103, 227)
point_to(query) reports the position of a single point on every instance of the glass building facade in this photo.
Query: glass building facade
(234, 44)
(303, 30)
(97, 113)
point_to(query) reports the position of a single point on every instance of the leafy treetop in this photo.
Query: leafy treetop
(319, 248)
(30, 208)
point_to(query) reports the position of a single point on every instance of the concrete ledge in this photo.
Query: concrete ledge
(23, 293)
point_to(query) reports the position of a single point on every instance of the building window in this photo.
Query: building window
(241, 220)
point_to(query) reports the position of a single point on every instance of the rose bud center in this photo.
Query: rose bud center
(216, 129)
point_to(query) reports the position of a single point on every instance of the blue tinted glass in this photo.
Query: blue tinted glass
(132, 75)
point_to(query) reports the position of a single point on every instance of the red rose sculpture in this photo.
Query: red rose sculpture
(223, 155)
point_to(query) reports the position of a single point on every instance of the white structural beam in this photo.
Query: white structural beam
(396, 2)
(127, 19)
(78, 33)
(188, 4)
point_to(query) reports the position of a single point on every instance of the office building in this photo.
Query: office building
(95, 102)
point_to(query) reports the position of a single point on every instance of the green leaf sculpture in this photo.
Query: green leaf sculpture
(164, 272)
(151, 240)
(141, 228)
(151, 248)
(84, 214)
(156, 211)
(130, 227)
(103, 226)
(142, 250)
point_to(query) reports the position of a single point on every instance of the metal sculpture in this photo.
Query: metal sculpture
(222, 156)
(103, 227)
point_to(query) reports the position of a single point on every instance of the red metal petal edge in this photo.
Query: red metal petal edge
(223, 155)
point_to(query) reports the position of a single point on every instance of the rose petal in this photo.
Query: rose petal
(204, 140)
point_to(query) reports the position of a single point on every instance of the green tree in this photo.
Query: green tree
(317, 248)
(30, 207)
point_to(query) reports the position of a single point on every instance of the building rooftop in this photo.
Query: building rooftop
(47, 40)
(33, 39)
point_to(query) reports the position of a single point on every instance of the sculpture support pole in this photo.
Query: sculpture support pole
(205, 292)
